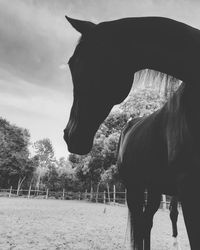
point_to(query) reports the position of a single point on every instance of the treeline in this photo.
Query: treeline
(96, 170)
(19, 168)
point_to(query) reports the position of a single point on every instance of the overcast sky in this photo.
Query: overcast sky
(35, 44)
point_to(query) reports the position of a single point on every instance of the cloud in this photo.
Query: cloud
(35, 82)
(27, 97)
(44, 112)
(34, 42)
(35, 38)
(63, 66)
(97, 11)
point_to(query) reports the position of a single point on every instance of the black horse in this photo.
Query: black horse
(103, 66)
(141, 207)
(174, 216)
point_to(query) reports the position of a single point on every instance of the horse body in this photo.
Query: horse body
(152, 157)
(155, 147)
(103, 67)
(143, 152)
(142, 164)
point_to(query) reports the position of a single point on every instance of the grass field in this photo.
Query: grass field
(72, 225)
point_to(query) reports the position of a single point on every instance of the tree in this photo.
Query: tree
(66, 174)
(110, 176)
(15, 162)
(44, 150)
(45, 153)
(51, 178)
(114, 122)
(110, 150)
(142, 102)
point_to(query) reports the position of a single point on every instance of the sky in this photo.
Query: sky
(35, 44)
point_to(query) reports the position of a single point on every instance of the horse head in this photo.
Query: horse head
(99, 82)
(106, 58)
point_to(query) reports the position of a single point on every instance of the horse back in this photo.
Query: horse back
(142, 143)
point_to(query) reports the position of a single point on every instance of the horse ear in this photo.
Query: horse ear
(81, 26)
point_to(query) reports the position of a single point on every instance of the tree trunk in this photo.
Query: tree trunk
(97, 194)
(20, 181)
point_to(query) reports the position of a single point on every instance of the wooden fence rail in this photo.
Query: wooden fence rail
(106, 197)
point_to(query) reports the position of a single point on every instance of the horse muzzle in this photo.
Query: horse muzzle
(78, 143)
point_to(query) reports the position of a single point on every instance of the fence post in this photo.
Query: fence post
(86, 194)
(10, 192)
(47, 192)
(91, 193)
(104, 196)
(29, 191)
(145, 197)
(114, 194)
(108, 193)
(63, 196)
(18, 191)
(97, 194)
(164, 202)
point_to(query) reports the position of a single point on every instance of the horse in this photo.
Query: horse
(174, 217)
(141, 208)
(103, 65)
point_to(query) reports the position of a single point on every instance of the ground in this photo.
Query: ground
(75, 225)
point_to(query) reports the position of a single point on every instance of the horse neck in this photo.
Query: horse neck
(145, 56)
(191, 107)
(149, 46)
(184, 114)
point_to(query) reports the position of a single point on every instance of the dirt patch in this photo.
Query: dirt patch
(72, 225)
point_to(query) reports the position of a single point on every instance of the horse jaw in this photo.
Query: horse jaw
(78, 144)
(80, 131)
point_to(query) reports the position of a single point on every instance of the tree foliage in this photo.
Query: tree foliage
(15, 160)
(44, 150)
(60, 175)
(96, 169)
(19, 169)
(143, 102)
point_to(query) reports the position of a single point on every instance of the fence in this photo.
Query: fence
(106, 197)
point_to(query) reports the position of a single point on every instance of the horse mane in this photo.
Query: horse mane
(177, 132)
(164, 84)
(172, 90)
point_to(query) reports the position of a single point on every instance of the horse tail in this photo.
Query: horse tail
(126, 237)
(131, 227)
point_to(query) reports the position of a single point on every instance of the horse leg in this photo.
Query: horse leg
(152, 205)
(135, 202)
(174, 216)
(189, 193)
